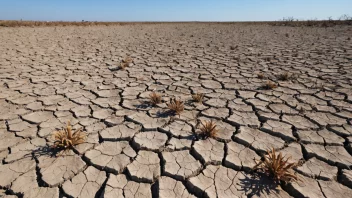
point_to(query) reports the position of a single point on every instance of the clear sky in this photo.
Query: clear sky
(172, 10)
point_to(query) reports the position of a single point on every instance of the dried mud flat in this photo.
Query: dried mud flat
(50, 75)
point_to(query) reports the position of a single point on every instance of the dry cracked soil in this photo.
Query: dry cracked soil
(51, 75)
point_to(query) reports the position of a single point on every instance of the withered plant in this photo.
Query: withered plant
(154, 98)
(176, 106)
(277, 167)
(198, 97)
(123, 65)
(67, 139)
(127, 60)
(269, 85)
(285, 76)
(208, 129)
(261, 76)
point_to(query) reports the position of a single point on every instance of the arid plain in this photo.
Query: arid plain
(51, 75)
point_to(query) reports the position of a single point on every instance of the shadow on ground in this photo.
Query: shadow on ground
(259, 185)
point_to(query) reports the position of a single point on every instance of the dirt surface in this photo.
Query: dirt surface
(51, 75)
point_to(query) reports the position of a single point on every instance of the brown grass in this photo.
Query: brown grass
(176, 106)
(123, 65)
(233, 47)
(154, 98)
(261, 76)
(127, 60)
(208, 129)
(66, 139)
(277, 167)
(198, 97)
(269, 85)
(286, 76)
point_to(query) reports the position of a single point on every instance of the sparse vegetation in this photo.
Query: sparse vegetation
(290, 21)
(66, 139)
(233, 47)
(176, 106)
(269, 85)
(261, 76)
(123, 65)
(198, 97)
(208, 129)
(125, 62)
(285, 76)
(154, 98)
(277, 167)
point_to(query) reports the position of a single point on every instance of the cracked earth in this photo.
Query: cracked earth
(51, 75)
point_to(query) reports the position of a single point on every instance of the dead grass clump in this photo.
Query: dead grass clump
(66, 139)
(261, 76)
(154, 98)
(277, 167)
(176, 106)
(285, 76)
(208, 129)
(233, 47)
(127, 60)
(269, 85)
(198, 97)
(125, 63)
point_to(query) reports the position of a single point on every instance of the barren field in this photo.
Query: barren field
(287, 88)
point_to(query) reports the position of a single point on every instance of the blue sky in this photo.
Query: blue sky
(176, 10)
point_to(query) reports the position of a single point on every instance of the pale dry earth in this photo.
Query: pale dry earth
(51, 75)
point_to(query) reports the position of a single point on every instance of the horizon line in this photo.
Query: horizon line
(196, 21)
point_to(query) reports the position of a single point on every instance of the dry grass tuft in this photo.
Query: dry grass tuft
(208, 129)
(176, 106)
(269, 85)
(198, 97)
(66, 139)
(123, 65)
(261, 76)
(285, 76)
(233, 47)
(155, 98)
(277, 167)
(127, 60)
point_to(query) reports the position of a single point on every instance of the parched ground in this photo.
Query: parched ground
(51, 75)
